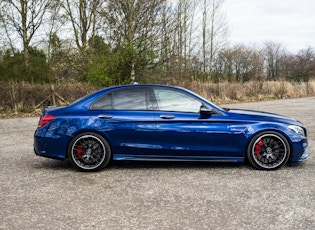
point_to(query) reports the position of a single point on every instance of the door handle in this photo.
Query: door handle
(104, 116)
(167, 116)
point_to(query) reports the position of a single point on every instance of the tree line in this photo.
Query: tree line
(123, 41)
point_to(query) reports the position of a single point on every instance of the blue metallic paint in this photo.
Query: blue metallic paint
(144, 135)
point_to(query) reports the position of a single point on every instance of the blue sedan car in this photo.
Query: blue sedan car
(165, 123)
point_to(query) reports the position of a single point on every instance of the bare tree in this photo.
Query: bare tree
(133, 24)
(167, 29)
(301, 67)
(53, 24)
(83, 15)
(257, 62)
(275, 55)
(23, 17)
(185, 30)
(214, 32)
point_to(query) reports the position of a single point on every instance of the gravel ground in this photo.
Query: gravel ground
(39, 193)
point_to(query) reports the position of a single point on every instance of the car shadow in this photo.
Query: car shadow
(57, 165)
(116, 165)
(174, 165)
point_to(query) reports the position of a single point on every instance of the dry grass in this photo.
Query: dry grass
(24, 98)
(252, 91)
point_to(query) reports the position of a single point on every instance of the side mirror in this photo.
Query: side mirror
(205, 110)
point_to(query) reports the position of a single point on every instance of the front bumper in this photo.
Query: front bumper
(305, 155)
(299, 151)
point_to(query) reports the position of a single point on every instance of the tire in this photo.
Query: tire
(89, 152)
(268, 151)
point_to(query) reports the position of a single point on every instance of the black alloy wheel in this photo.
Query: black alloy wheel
(89, 152)
(268, 150)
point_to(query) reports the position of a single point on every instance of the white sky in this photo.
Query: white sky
(289, 22)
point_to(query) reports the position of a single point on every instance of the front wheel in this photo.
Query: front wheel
(89, 152)
(268, 150)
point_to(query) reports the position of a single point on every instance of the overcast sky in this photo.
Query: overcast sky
(289, 22)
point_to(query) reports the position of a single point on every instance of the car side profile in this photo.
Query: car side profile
(165, 123)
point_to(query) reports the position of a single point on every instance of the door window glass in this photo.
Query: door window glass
(171, 100)
(130, 99)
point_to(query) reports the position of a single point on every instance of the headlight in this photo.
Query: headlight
(299, 130)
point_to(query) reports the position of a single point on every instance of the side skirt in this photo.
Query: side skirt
(175, 158)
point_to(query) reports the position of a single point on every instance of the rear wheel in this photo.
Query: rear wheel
(89, 152)
(268, 150)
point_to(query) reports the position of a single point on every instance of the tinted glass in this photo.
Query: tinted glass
(104, 103)
(171, 100)
(130, 99)
(124, 99)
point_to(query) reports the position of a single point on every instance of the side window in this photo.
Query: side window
(124, 99)
(103, 103)
(130, 99)
(171, 100)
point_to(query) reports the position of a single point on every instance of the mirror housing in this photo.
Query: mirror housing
(205, 110)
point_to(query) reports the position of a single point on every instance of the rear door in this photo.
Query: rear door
(126, 119)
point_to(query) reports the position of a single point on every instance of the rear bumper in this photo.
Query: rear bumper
(50, 147)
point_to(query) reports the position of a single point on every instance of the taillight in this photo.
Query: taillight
(44, 120)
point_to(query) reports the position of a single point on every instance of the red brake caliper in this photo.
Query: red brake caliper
(80, 151)
(258, 148)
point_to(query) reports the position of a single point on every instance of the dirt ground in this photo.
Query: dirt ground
(39, 193)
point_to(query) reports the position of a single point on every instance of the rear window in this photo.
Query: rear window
(104, 103)
(123, 99)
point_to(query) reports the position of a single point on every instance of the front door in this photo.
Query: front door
(182, 132)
